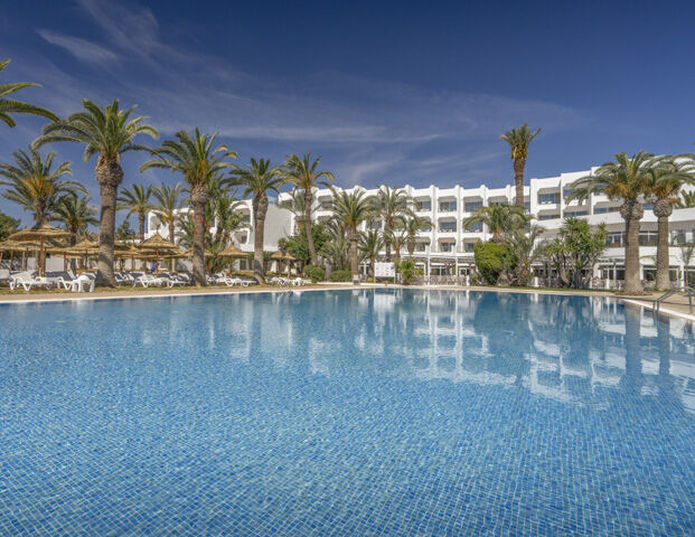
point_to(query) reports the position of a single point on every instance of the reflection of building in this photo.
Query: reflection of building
(570, 349)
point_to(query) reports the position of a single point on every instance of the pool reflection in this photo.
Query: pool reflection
(564, 347)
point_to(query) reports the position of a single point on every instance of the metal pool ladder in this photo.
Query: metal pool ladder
(689, 292)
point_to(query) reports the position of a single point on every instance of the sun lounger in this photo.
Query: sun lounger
(83, 283)
(27, 280)
(146, 280)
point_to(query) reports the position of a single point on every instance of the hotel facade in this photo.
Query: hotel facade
(446, 249)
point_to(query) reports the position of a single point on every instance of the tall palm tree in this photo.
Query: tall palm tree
(351, 209)
(12, 106)
(687, 200)
(107, 133)
(35, 184)
(296, 204)
(137, 200)
(302, 172)
(76, 214)
(413, 225)
(627, 179)
(195, 158)
(370, 245)
(519, 140)
(500, 219)
(167, 206)
(398, 239)
(228, 219)
(258, 178)
(392, 205)
(668, 175)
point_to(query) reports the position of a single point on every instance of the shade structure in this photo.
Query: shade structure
(17, 246)
(41, 234)
(131, 251)
(232, 251)
(158, 246)
(282, 256)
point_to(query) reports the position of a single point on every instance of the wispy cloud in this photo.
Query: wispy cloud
(368, 130)
(80, 48)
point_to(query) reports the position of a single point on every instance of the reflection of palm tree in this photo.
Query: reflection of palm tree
(632, 379)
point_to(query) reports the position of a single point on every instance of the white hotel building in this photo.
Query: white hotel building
(447, 248)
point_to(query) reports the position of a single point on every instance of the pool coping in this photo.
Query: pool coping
(645, 303)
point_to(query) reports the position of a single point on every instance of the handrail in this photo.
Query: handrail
(689, 292)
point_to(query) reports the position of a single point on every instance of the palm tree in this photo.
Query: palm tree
(108, 133)
(34, 184)
(392, 205)
(413, 225)
(500, 219)
(76, 214)
(370, 245)
(627, 179)
(296, 204)
(195, 158)
(336, 248)
(351, 209)
(11, 106)
(137, 200)
(519, 140)
(668, 175)
(258, 178)
(398, 239)
(167, 206)
(228, 219)
(687, 200)
(303, 174)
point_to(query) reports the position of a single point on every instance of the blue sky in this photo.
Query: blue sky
(387, 92)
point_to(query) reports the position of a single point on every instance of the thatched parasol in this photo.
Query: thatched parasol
(16, 246)
(232, 252)
(40, 234)
(158, 246)
(282, 256)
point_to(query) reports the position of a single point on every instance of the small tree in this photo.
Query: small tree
(575, 251)
(492, 259)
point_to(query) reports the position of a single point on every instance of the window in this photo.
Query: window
(648, 238)
(423, 205)
(577, 213)
(469, 247)
(446, 246)
(547, 199)
(447, 227)
(678, 237)
(447, 206)
(470, 206)
(603, 210)
(548, 216)
(615, 239)
(420, 246)
(567, 192)
(475, 227)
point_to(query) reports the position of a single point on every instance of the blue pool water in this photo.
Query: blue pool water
(390, 413)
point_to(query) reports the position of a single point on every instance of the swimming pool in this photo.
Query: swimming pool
(388, 412)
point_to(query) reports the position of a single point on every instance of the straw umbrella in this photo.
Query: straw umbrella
(158, 246)
(232, 252)
(41, 234)
(280, 256)
(82, 250)
(17, 246)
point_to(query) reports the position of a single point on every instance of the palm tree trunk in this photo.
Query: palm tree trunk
(109, 175)
(172, 232)
(141, 224)
(662, 210)
(519, 164)
(308, 198)
(632, 212)
(260, 208)
(372, 270)
(199, 197)
(354, 236)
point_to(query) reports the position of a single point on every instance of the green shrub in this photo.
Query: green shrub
(342, 275)
(492, 259)
(407, 270)
(317, 274)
